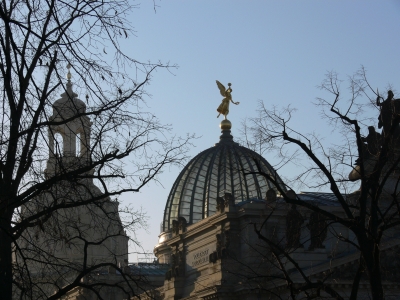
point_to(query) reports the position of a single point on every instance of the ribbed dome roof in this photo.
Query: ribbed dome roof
(211, 174)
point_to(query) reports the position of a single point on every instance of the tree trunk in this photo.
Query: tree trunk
(371, 255)
(5, 258)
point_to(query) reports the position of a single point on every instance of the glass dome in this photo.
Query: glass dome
(212, 173)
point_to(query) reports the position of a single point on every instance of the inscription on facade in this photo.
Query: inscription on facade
(199, 257)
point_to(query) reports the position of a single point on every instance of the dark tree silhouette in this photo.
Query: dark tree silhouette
(368, 198)
(39, 210)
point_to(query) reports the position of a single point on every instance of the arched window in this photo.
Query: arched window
(58, 145)
(78, 144)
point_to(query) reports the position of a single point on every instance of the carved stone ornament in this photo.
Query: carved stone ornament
(182, 224)
(229, 200)
(387, 110)
(371, 145)
(177, 264)
(179, 226)
(220, 204)
(222, 241)
(225, 201)
(175, 227)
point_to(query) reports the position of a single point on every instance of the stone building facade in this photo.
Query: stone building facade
(216, 216)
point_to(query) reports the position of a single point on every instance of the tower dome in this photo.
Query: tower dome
(224, 168)
(68, 105)
(69, 133)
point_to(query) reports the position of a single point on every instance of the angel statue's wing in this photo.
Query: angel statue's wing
(221, 87)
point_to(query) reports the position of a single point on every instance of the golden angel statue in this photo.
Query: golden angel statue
(223, 108)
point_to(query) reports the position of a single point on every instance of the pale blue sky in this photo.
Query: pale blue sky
(275, 51)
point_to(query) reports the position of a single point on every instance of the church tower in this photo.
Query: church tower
(82, 229)
(69, 136)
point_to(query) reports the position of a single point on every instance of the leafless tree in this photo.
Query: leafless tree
(125, 148)
(367, 199)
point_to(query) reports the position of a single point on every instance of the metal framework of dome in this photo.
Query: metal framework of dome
(212, 173)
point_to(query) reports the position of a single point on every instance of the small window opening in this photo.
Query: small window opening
(58, 145)
(78, 145)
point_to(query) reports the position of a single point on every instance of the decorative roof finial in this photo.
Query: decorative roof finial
(69, 76)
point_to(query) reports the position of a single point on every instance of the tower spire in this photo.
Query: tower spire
(69, 76)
